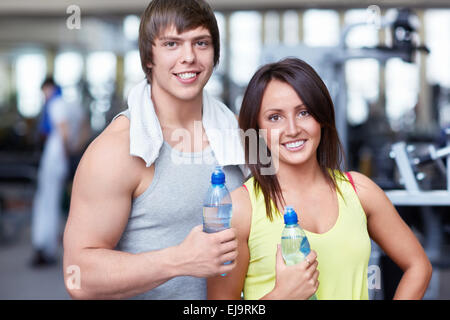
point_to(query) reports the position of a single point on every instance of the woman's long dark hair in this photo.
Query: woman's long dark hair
(314, 94)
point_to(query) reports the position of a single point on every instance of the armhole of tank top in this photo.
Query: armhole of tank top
(149, 189)
(147, 192)
(252, 199)
(350, 178)
(125, 113)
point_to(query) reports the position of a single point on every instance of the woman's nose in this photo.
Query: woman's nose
(292, 127)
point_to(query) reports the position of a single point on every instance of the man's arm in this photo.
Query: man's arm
(100, 206)
(101, 201)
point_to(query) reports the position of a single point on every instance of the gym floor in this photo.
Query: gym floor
(19, 281)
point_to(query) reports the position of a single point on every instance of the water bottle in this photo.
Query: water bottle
(217, 208)
(294, 244)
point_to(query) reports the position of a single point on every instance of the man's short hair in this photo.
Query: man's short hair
(49, 81)
(185, 15)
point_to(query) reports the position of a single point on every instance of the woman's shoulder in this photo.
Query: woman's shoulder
(369, 193)
(242, 211)
(362, 182)
(241, 199)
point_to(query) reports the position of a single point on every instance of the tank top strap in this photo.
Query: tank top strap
(350, 179)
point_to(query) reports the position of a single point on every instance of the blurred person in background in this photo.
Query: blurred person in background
(60, 126)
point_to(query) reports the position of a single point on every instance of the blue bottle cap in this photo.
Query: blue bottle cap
(218, 176)
(290, 217)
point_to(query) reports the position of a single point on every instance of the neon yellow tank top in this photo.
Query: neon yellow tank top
(343, 252)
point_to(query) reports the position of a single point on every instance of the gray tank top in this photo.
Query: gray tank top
(167, 211)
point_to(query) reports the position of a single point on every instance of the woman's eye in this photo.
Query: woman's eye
(303, 113)
(274, 117)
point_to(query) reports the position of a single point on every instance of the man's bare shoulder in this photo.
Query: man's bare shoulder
(120, 124)
(114, 140)
(108, 156)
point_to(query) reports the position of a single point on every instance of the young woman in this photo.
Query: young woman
(288, 102)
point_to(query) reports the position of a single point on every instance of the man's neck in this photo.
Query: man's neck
(176, 113)
(180, 121)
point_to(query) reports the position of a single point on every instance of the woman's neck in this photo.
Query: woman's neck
(300, 176)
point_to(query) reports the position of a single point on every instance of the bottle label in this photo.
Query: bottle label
(292, 237)
(304, 247)
(216, 218)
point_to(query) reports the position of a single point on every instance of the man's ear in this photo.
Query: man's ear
(149, 65)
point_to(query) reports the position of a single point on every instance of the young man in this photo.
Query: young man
(54, 126)
(134, 228)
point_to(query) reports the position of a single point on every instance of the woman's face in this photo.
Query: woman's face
(292, 132)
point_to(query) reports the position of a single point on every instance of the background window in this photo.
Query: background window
(437, 35)
(362, 75)
(271, 28)
(68, 73)
(101, 74)
(290, 28)
(30, 73)
(4, 83)
(131, 27)
(215, 84)
(321, 27)
(245, 45)
(402, 88)
(133, 71)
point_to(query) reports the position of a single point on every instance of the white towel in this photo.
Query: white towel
(219, 122)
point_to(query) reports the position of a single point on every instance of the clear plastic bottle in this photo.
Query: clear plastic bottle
(294, 243)
(217, 207)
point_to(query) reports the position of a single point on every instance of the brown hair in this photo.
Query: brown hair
(314, 94)
(184, 15)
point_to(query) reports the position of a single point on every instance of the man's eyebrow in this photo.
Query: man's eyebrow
(203, 36)
(165, 38)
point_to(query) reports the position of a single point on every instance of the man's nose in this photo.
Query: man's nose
(188, 54)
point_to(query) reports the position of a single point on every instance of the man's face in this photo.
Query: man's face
(183, 63)
(48, 91)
